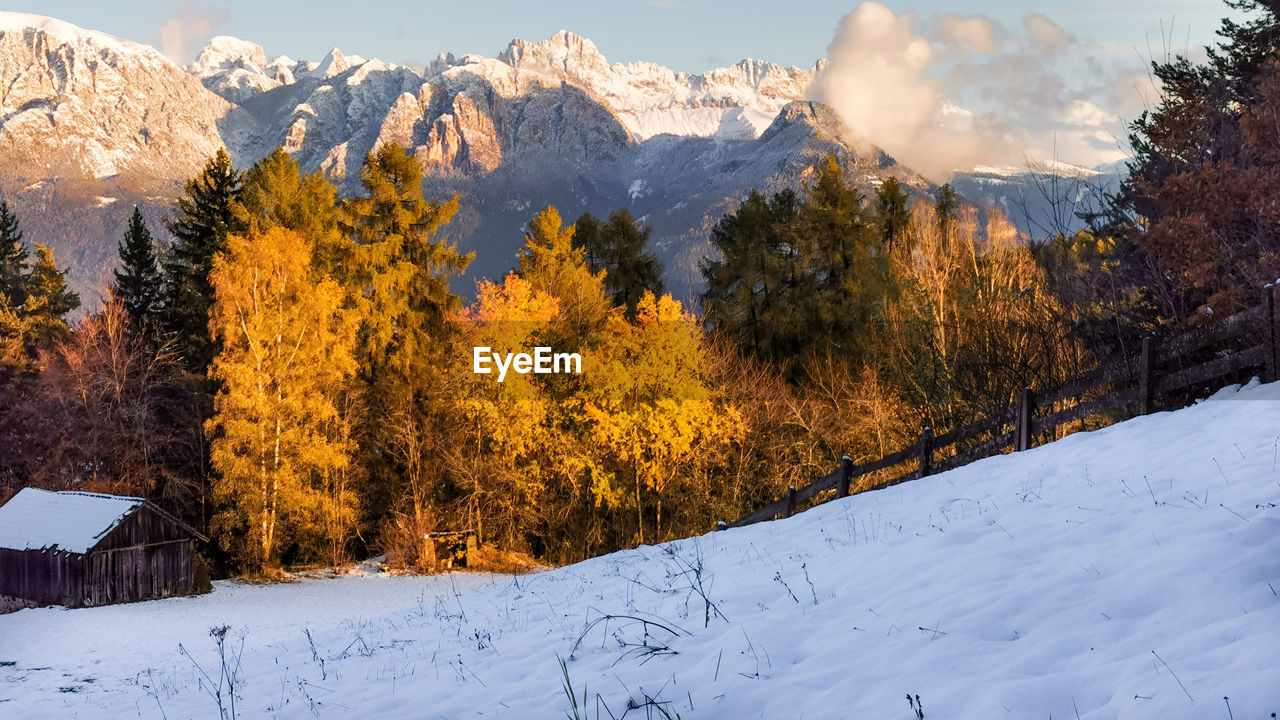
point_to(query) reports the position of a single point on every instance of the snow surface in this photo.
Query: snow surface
(66, 32)
(1130, 572)
(71, 521)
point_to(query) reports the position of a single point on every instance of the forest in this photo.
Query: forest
(290, 371)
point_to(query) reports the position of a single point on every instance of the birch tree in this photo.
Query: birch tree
(287, 353)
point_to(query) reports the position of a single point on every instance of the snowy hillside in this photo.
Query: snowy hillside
(1127, 573)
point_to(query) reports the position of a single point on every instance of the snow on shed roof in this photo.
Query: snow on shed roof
(70, 521)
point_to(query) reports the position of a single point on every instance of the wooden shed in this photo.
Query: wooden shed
(81, 549)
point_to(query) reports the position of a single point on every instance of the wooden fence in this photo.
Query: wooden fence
(1167, 374)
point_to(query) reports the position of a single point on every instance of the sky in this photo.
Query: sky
(689, 35)
(1042, 79)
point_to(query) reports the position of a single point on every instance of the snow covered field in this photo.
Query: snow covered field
(1131, 572)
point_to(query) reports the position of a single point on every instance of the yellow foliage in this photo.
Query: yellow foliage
(278, 440)
(649, 407)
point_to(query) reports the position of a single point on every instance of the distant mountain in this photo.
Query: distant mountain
(84, 105)
(90, 125)
(1041, 199)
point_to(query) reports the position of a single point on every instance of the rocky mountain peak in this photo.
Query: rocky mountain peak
(39, 28)
(545, 122)
(811, 116)
(335, 63)
(83, 104)
(228, 53)
(564, 55)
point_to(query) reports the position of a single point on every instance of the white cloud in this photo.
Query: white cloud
(1039, 93)
(875, 80)
(1083, 112)
(1046, 32)
(190, 22)
(973, 32)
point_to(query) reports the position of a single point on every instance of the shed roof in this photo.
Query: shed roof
(70, 521)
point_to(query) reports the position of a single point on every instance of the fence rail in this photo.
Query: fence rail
(1248, 340)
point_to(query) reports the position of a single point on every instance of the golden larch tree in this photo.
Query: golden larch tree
(287, 352)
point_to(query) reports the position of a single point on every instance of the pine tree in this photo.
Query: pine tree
(34, 300)
(206, 217)
(749, 287)
(1198, 200)
(400, 269)
(13, 259)
(844, 266)
(398, 276)
(276, 193)
(1247, 47)
(553, 265)
(892, 213)
(48, 299)
(619, 247)
(138, 280)
(588, 235)
(945, 208)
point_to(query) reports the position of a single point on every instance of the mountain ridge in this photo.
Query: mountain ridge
(544, 122)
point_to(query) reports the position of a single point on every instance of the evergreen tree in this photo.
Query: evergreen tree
(588, 234)
(844, 266)
(48, 300)
(398, 275)
(945, 208)
(34, 301)
(1247, 48)
(798, 275)
(206, 217)
(1198, 200)
(892, 212)
(748, 286)
(553, 264)
(138, 280)
(277, 194)
(401, 268)
(13, 259)
(619, 247)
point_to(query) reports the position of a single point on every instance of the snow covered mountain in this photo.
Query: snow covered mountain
(93, 124)
(81, 104)
(1041, 199)
(1033, 585)
(648, 99)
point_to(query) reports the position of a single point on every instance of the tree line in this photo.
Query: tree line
(292, 370)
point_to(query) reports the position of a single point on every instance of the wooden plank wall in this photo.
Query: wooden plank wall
(144, 557)
(48, 577)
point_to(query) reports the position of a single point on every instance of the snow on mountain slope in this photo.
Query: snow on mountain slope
(237, 69)
(548, 122)
(1126, 573)
(79, 103)
(649, 99)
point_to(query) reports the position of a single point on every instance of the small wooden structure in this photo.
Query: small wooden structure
(81, 549)
(451, 548)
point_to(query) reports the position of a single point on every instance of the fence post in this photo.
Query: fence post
(846, 474)
(926, 451)
(1022, 423)
(1147, 377)
(1272, 351)
(791, 500)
